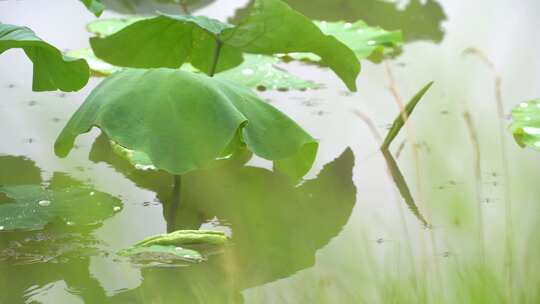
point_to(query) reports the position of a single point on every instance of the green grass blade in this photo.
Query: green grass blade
(399, 121)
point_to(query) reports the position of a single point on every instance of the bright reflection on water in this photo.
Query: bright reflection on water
(345, 235)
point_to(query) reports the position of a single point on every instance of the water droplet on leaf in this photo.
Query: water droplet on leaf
(44, 203)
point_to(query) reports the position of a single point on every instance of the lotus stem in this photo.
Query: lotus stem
(175, 202)
(217, 52)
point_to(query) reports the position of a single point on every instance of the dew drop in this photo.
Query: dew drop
(2, 228)
(371, 42)
(347, 26)
(116, 208)
(178, 248)
(44, 203)
(92, 193)
(523, 105)
(70, 223)
(247, 72)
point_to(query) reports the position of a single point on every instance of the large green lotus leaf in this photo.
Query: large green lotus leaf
(257, 71)
(52, 70)
(272, 27)
(95, 6)
(526, 124)
(35, 206)
(167, 41)
(366, 41)
(185, 121)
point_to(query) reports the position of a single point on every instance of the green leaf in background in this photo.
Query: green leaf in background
(400, 121)
(257, 71)
(272, 27)
(185, 121)
(186, 237)
(95, 6)
(97, 66)
(35, 206)
(261, 72)
(107, 27)
(366, 41)
(526, 124)
(162, 254)
(52, 70)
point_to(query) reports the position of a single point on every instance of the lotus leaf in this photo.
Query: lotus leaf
(162, 254)
(52, 70)
(95, 6)
(526, 124)
(185, 237)
(185, 121)
(35, 206)
(257, 71)
(170, 41)
(366, 41)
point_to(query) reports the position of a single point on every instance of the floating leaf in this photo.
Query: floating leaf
(97, 66)
(365, 41)
(107, 27)
(185, 121)
(526, 124)
(162, 254)
(261, 72)
(185, 237)
(400, 121)
(52, 70)
(257, 71)
(272, 27)
(95, 6)
(35, 206)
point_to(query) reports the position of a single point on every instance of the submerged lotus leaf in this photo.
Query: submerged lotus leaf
(162, 254)
(367, 42)
(35, 206)
(272, 27)
(185, 237)
(526, 124)
(184, 121)
(95, 6)
(257, 71)
(52, 70)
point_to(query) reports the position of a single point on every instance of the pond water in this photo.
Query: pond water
(345, 235)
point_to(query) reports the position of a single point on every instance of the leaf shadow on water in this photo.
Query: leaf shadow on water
(31, 261)
(419, 20)
(277, 228)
